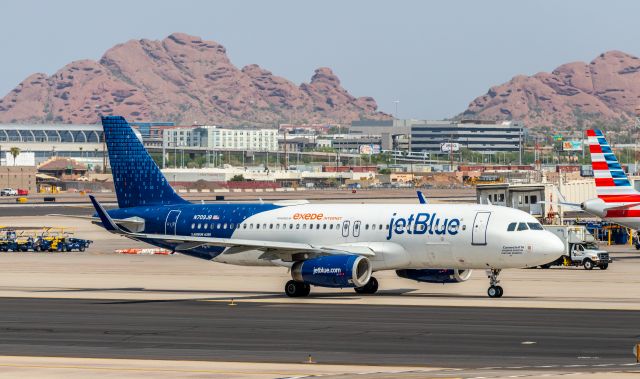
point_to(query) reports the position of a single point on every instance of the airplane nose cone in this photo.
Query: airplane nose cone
(553, 246)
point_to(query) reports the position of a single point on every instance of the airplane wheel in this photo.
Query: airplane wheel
(296, 289)
(495, 291)
(370, 288)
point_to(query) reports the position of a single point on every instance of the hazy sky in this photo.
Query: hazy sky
(433, 56)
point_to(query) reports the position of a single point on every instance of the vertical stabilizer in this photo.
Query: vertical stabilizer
(612, 184)
(137, 179)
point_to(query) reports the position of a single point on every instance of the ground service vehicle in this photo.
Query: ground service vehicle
(580, 248)
(8, 192)
(72, 243)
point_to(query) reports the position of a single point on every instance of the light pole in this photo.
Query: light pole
(395, 115)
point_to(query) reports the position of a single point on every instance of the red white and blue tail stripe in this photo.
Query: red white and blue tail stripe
(612, 184)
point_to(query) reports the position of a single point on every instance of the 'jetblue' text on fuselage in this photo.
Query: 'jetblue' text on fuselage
(422, 223)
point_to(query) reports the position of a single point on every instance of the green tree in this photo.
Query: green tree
(15, 151)
(237, 178)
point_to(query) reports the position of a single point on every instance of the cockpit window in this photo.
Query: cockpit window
(535, 226)
(522, 226)
(512, 227)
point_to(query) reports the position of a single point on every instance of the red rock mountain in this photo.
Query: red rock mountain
(183, 79)
(575, 95)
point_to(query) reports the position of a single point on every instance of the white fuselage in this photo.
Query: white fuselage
(625, 213)
(464, 236)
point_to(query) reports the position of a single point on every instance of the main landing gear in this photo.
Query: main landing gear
(368, 289)
(494, 289)
(296, 289)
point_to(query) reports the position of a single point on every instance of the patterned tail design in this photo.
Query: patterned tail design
(136, 177)
(612, 184)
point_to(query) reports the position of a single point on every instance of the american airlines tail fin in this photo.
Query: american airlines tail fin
(612, 184)
(137, 179)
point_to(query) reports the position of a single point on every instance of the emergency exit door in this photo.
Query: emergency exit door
(479, 232)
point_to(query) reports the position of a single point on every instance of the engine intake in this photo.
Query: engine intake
(333, 271)
(435, 276)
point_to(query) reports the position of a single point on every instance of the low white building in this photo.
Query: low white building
(217, 138)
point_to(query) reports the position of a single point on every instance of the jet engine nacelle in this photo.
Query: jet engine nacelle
(595, 207)
(333, 271)
(435, 276)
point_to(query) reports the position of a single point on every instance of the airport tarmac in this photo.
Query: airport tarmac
(82, 311)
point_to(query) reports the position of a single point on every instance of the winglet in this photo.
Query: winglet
(421, 198)
(106, 220)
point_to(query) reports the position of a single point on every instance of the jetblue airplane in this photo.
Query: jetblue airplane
(324, 245)
(617, 201)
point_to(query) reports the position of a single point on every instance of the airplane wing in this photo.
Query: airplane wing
(273, 249)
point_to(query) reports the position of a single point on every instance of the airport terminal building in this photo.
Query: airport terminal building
(427, 135)
(45, 141)
(479, 136)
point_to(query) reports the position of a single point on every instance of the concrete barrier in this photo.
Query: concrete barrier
(248, 190)
(236, 190)
(268, 190)
(206, 190)
(182, 191)
(193, 190)
(221, 190)
(279, 189)
(259, 190)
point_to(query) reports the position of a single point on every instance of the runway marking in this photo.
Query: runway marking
(75, 367)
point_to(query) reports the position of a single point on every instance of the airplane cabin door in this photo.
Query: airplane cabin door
(479, 232)
(171, 222)
(345, 228)
(356, 228)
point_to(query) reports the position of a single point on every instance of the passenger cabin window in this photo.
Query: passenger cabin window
(522, 226)
(512, 227)
(534, 199)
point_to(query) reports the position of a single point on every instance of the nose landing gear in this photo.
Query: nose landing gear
(494, 289)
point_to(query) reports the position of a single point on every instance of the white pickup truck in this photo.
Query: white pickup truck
(580, 248)
(8, 192)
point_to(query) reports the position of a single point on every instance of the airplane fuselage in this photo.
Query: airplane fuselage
(402, 236)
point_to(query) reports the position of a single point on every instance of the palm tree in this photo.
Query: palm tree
(15, 151)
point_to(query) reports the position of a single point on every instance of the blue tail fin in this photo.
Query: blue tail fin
(136, 177)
